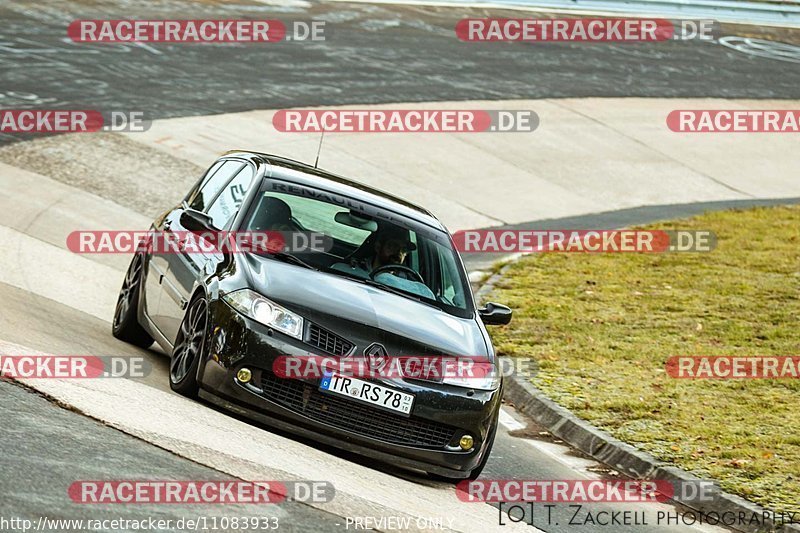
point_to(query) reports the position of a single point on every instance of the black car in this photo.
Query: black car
(389, 282)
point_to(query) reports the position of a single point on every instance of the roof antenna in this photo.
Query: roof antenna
(319, 148)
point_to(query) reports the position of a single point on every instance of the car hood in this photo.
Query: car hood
(337, 302)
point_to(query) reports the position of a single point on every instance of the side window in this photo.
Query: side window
(213, 184)
(229, 201)
(196, 189)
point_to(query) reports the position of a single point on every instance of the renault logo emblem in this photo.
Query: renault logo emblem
(377, 356)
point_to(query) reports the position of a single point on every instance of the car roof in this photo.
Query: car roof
(315, 177)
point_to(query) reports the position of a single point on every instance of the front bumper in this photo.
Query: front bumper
(426, 440)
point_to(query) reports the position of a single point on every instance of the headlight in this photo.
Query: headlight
(481, 375)
(255, 306)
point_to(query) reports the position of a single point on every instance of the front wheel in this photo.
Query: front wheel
(189, 349)
(126, 325)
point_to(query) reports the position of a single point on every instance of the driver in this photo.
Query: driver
(392, 245)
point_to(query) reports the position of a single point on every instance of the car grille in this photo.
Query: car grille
(327, 341)
(354, 416)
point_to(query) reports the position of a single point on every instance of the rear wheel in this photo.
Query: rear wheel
(126, 325)
(189, 349)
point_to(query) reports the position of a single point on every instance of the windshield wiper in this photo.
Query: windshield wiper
(289, 258)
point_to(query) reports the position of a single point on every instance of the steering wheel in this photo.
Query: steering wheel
(411, 273)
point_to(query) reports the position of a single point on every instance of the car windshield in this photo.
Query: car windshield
(364, 243)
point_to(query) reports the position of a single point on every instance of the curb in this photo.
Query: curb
(620, 456)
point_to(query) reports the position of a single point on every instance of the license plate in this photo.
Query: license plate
(364, 391)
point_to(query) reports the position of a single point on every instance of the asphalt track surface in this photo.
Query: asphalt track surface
(39, 439)
(372, 54)
(50, 447)
(375, 54)
(74, 321)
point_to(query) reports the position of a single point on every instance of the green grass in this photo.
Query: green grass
(602, 326)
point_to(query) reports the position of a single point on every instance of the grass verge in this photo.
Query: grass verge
(602, 326)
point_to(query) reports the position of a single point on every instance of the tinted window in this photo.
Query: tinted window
(365, 240)
(213, 184)
(227, 204)
(305, 214)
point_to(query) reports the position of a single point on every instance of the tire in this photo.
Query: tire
(189, 349)
(126, 325)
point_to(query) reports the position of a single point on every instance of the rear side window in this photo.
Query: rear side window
(214, 184)
(227, 204)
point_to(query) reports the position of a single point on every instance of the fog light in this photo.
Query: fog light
(244, 375)
(466, 442)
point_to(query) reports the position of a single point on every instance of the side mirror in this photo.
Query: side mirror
(495, 314)
(195, 221)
